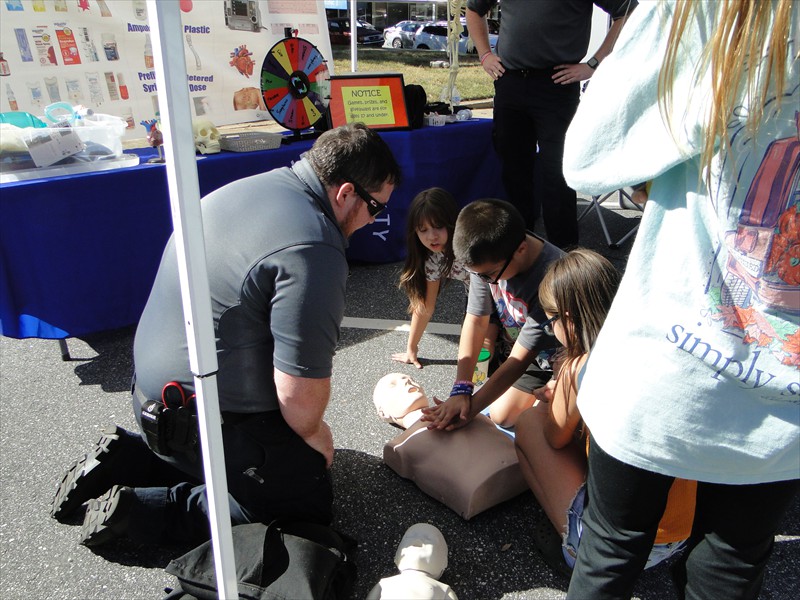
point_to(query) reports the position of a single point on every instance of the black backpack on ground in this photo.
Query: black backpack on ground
(276, 561)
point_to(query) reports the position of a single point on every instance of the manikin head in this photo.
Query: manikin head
(396, 395)
(422, 548)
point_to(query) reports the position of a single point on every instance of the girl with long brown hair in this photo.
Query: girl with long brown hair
(576, 294)
(429, 263)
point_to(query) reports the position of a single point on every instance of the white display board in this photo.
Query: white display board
(98, 53)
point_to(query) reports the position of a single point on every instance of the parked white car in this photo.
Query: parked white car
(433, 36)
(401, 35)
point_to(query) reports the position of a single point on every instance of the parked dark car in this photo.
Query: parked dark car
(339, 32)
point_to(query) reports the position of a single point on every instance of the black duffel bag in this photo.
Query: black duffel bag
(273, 562)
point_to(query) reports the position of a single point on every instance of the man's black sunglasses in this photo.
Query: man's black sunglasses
(373, 206)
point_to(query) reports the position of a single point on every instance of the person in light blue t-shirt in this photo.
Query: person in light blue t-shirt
(701, 99)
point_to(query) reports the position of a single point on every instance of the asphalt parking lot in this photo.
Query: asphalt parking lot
(52, 410)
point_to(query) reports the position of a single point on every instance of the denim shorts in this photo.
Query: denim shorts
(572, 539)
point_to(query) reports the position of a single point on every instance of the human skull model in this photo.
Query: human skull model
(206, 136)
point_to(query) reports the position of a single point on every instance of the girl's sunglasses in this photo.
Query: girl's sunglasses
(547, 326)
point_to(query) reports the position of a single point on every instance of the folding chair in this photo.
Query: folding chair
(595, 203)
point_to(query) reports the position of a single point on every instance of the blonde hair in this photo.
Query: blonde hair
(746, 30)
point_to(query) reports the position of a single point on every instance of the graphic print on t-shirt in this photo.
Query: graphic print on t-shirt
(762, 272)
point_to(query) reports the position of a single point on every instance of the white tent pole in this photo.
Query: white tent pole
(184, 192)
(353, 36)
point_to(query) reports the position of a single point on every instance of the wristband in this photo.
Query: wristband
(484, 55)
(462, 388)
(461, 392)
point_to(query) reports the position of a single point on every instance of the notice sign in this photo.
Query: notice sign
(375, 99)
(370, 105)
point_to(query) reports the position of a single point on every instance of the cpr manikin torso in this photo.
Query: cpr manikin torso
(468, 470)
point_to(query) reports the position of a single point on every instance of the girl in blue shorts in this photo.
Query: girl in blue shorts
(551, 440)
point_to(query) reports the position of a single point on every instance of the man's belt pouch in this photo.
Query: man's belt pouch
(155, 424)
(171, 424)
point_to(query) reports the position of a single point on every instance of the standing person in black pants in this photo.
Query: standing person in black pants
(700, 99)
(537, 77)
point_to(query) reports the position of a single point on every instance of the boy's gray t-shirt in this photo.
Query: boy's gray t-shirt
(277, 274)
(516, 302)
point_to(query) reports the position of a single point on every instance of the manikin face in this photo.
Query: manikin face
(423, 548)
(396, 395)
(433, 238)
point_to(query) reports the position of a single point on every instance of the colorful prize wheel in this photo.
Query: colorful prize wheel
(295, 84)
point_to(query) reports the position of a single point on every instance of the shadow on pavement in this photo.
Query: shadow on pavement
(112, 366)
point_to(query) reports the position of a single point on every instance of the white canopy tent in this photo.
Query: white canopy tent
(353, 36)
(184, 193)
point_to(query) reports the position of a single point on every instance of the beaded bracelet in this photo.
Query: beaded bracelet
(484, 55)
(462, 388)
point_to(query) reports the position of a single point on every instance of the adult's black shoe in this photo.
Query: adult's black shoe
(87, 477)
(107, 517)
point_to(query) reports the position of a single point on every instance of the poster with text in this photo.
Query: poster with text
(99, 54)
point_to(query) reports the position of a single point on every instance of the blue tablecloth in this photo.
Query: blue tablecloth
(79, 253)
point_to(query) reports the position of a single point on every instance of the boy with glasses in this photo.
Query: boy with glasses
(507, 264)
